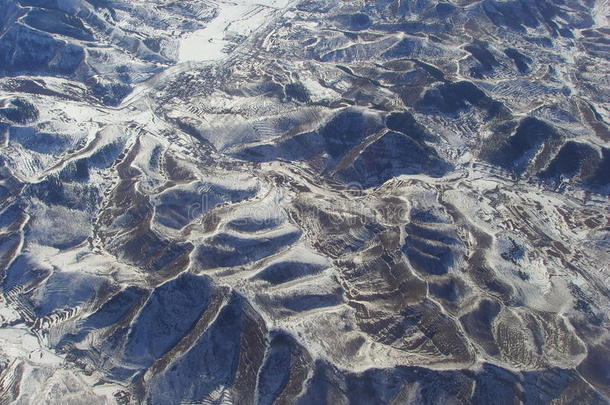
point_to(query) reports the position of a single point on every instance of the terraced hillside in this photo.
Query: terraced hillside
(304, 202)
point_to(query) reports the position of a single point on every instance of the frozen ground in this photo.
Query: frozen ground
(310, 202)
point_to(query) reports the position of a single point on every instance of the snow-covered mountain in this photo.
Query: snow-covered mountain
(304, 202)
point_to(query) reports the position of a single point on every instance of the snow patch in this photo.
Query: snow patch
(234, 20)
